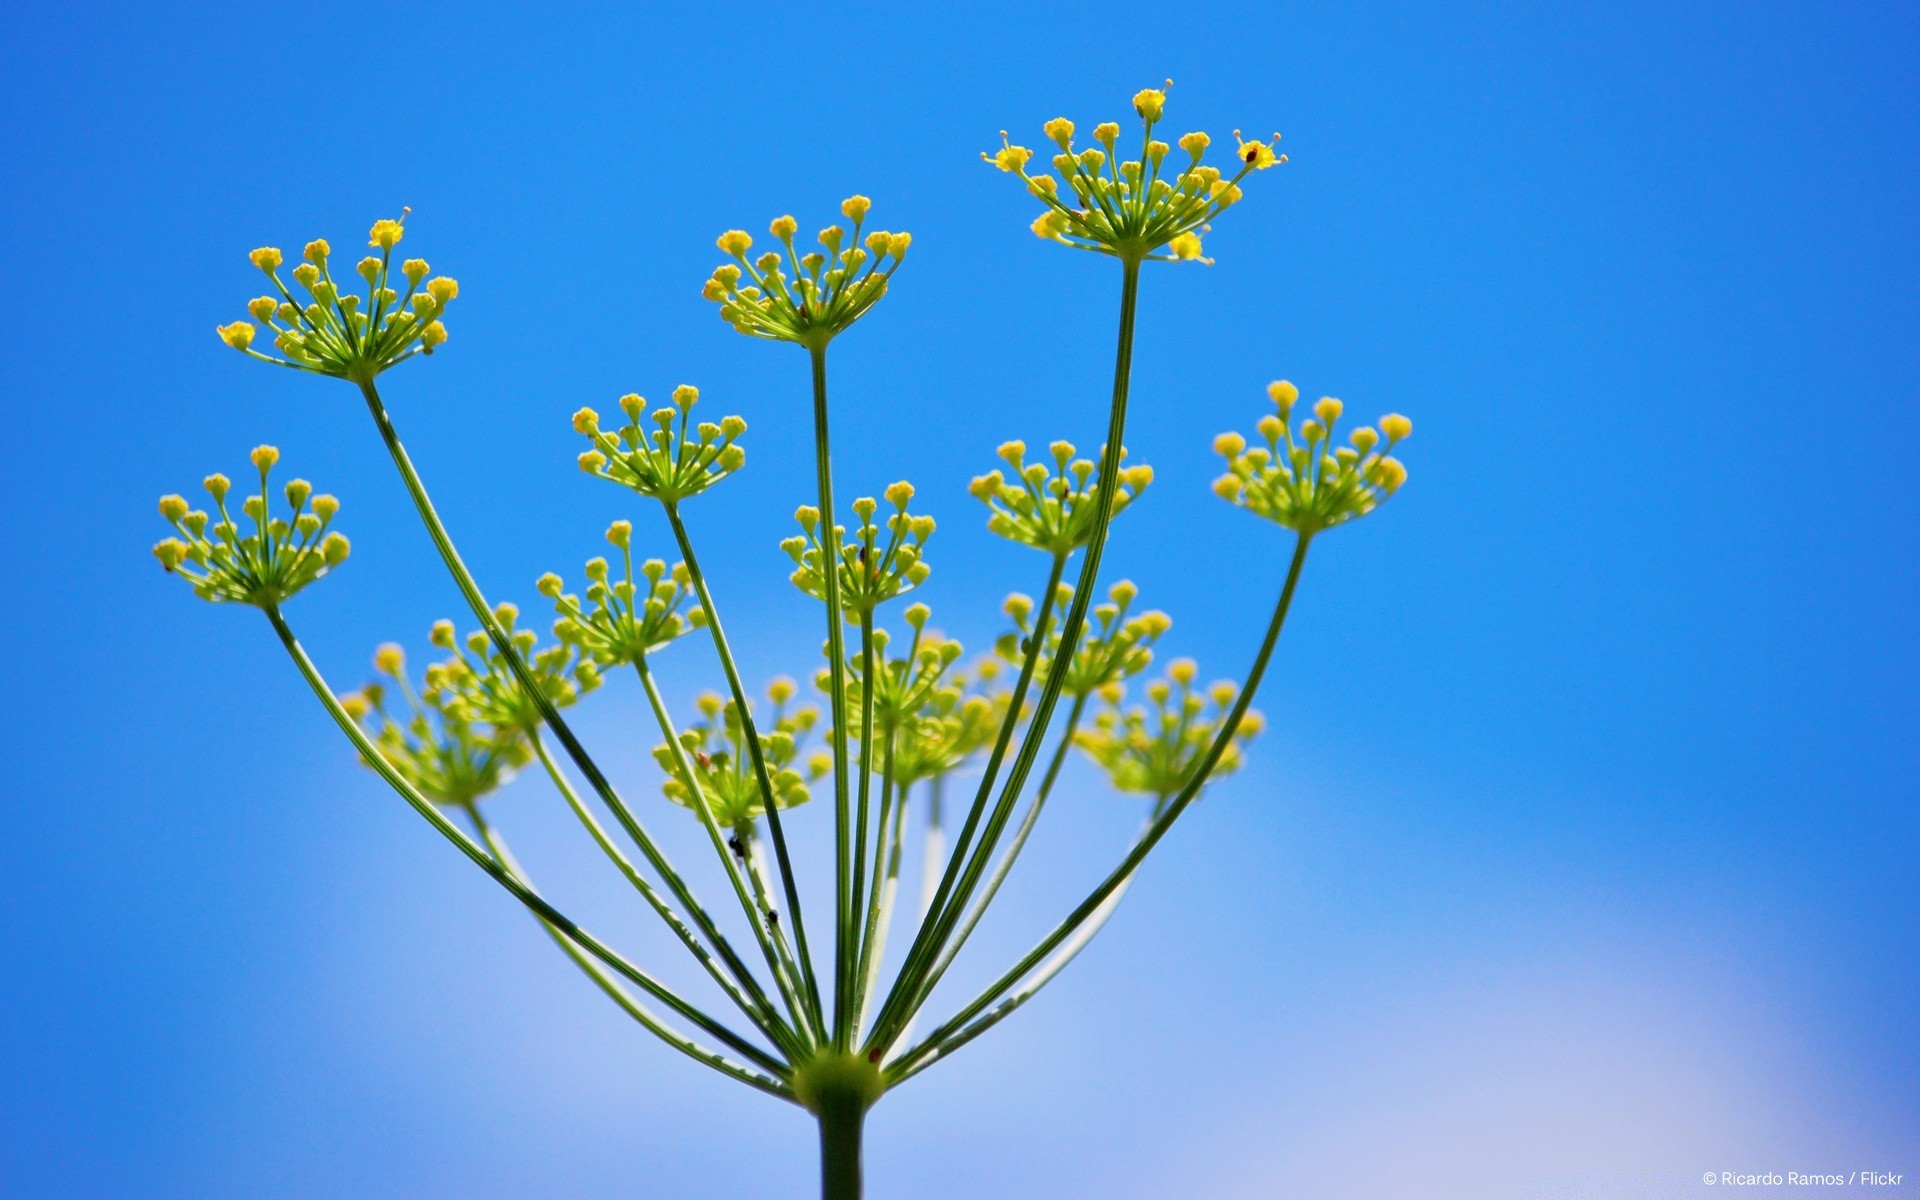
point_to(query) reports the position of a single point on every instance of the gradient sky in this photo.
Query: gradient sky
(1579, 855)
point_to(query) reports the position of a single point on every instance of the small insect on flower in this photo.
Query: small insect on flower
(621, 622)
(1134, 208)
(716, 751)
(673, 461)
(450, 759)
(1155, 749)
(347, 335)
(874, 568)
(808, 299)
(1300, 478)
(260, 558)
(1052, 509)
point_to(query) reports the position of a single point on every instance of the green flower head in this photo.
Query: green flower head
(1052, 510)
(1117, 646)
(482, 688)
(1155, 749)
(810, 298)
(958, 719)
(619, 623)
(1300, 479)
(874, 566)
(450, 760)
(1133, 208)
(262, 562)
(723, 765)
(673, 461)
(904, 688)
(339, 332)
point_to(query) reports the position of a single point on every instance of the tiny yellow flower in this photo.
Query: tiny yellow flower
(385, 235)
(1060, 130)
(783, 228)
(267, 258)
(1395, 427)
(735, 242)
(444, 290)
(855, 207)
(1150, 103)
(239, 335)
(389, 659)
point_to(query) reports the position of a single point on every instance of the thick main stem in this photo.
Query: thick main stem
(841, 1123)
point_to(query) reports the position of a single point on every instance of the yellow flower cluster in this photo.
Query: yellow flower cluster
(619, 624)
(1134, 208)
(873, 568)
(451, 760)
(673, 461)
(339, 333)
(903, 687)
(1051, 510)
(1155, 749)
(723, 766)
(481, 688)
(1300, 479)
(807, 298)
(264, 566)
(1117, 646)
(958, 719)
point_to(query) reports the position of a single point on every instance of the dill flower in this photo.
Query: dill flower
(904, 687)
(957, 720)
(1116, 646)
(481, 688)
(807, 298)
(1052, 510)
(1133, 208)
(338, 332)
(716, 747)
(1154, 749)
(670, 463)
(268, 563)
(1300, 479)
(873, 568)
(451, 760)
(619, 623)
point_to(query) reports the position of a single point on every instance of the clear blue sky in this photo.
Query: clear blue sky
(1584, 836)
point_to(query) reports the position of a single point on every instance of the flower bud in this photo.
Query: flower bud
(385, 235)
(1150, 103)
(239, 335)
(264, 457)
(735, 242)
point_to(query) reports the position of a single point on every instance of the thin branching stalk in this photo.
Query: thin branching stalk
(526, 895)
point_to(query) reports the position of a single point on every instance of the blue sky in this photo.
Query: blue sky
(1583, 837)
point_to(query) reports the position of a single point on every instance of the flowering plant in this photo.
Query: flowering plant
(821, 1021)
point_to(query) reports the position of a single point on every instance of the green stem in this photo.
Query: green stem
(956, 1032)
(633, 876)
(860, 912)
(919, 984)
(593, 970)
(761, 773)
(841, 1120)
(503, 641)
(787, 1037)
(520, 891)
(843, 952)
(1019, 842)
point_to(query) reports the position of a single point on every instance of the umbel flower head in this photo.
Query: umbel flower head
(263, 562)
(957, 719)
(1154, 749)
(723, 767)
(670, 463)
(1300, 479)
(903, 687)
(337, 332)
(807, 299)
(1117, 646)
(873, 568)
(1052, 510)
(1134, 208)
(619, 623)
(452, 761)
(481, 688)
